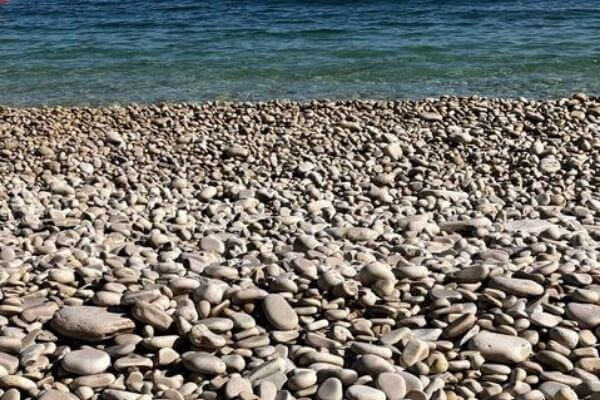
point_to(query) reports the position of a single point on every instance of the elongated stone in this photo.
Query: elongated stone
(501, 348)
(362, 392)
(518, 287)
(557, 391)
(204, 363)
(587, 314)
(90, 323)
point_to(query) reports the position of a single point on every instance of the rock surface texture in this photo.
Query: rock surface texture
(443, 249)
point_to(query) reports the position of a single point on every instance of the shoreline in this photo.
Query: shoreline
(440, 249)
(305, 102)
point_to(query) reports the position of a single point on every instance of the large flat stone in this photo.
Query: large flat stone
(92, 324)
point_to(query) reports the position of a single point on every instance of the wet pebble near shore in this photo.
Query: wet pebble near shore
(444, 249)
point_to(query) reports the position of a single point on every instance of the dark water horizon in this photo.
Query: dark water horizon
(92, 52)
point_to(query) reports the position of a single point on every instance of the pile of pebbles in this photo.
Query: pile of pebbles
(442, 249)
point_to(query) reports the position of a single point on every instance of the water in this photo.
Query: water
(118, 51)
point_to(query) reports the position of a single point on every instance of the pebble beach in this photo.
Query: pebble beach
(440, 249)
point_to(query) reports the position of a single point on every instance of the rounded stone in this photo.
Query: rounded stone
(330, 389)
(557, 391)
(279, 313)
(53, 394)
(373, 365)
(362, 392)
(588, 314)
(392, 385)
(374, 272)
(237, 387)
(204, 363)
(86, 362)
(302, 379)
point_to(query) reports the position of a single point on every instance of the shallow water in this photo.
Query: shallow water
(106, 51)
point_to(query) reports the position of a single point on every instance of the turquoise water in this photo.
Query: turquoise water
(107, 51)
